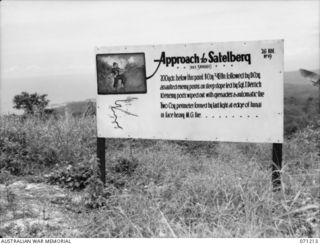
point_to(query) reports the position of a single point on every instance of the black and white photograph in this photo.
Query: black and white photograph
(166, 120)
(121, 73)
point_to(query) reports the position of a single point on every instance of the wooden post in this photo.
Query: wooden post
(276, 166)
(319, 98)
(101, 154)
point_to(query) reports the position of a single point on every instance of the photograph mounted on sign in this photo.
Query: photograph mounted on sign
(121, 73)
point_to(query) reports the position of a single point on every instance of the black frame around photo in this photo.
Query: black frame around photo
(104, 91)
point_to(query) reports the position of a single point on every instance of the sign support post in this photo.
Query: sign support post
(276, 166)
(101, 153)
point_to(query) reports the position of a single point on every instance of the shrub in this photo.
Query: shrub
(5, 176)
(125, 165)
(97, 195)
(74, 177)
(31, 103)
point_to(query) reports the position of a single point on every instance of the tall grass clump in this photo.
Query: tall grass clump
(31, 144)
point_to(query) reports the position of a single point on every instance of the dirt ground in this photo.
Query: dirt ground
(37, 210)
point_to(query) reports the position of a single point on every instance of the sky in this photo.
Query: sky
(48, 46)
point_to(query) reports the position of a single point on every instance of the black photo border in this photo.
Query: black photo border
(113, 93)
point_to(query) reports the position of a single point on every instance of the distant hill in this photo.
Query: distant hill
(76, 108)
(294, 77)
(298, 87)
(300, 102)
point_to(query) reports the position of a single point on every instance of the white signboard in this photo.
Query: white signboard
(231, 91)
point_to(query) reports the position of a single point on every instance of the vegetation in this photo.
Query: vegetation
(158, 188)
(299, 114)
(300, 103)
(31, 103)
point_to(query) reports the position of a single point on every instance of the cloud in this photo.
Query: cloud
(59, 37)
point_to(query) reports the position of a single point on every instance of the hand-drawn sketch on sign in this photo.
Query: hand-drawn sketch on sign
(121, 73)
(121, 106)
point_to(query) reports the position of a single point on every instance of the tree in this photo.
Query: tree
(31, 103)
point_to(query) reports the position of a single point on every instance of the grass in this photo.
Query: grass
(32, 144)
(159, 188)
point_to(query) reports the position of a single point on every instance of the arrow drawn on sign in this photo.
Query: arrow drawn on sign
(118, 107)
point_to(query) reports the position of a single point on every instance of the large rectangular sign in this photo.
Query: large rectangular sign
(231, 91)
